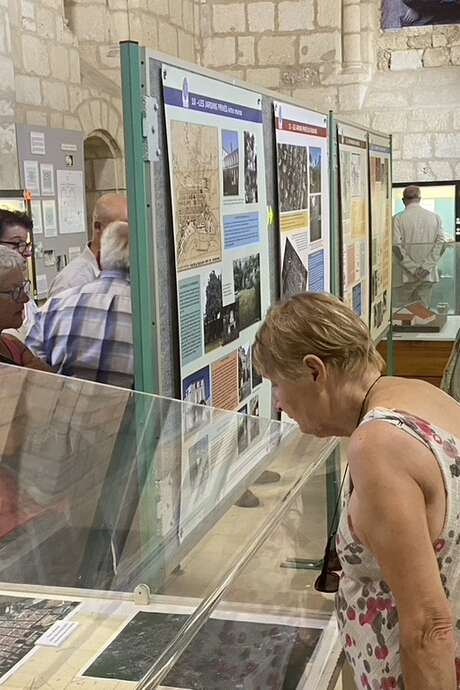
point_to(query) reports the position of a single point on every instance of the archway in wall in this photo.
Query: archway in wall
(103, 162)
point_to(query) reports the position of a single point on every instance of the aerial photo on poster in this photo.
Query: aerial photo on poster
(303, 190)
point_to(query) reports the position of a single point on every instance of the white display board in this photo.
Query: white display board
(217, 173)
(303, 199)
(381, 233)
(354, 215)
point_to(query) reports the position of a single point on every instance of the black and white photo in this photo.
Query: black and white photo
(292, 177)
(250, 168)
(212, 314)
(246, 276)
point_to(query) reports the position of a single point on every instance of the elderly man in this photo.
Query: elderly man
(85, 268)
(418, 244)
(86, 332)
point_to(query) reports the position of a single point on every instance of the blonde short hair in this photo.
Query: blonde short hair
(313, 324)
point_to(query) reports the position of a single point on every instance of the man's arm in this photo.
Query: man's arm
(400, 251)
(439, 246)
(35, 339)
(391, 516)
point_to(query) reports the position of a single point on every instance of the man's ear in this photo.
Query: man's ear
(315, 367)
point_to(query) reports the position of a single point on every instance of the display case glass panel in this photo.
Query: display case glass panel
(126, 520)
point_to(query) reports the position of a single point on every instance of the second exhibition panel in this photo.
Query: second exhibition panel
(303, 199)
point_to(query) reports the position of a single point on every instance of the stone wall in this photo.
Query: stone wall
(332, 54)
(59, 67)
(60, 64)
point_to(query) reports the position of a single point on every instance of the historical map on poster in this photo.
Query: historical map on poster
(381, 233)
(195, 156)
(303, 194)
(354, 220)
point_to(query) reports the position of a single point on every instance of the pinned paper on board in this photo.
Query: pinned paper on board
(71, 201)
(31, 177)
(37, 143)
(47, 178)
(49, 218)
(37, 219)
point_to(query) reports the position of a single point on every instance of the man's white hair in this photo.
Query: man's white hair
(115, 247)
(9, 261)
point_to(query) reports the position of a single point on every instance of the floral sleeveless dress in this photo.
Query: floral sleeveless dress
(366, 608)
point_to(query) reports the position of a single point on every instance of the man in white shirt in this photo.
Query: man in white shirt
(85, 268)
(418, 244)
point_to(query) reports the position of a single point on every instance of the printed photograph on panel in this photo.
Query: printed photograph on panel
(398, 14)
(217, 657)
(294, 275)
(356, 183)
(212, 305)
(315, 170)
(292, 177)
(230, 163)
(243, 430)
(244, 371)
(196, 389)
(256, 377)
(251, 193)
(22, 622)
(315, 218)
(195, 158)
(230, 323)
(246, 276)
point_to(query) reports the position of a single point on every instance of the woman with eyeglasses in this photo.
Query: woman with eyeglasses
(13, 298)
(15, 233)
(398, 539)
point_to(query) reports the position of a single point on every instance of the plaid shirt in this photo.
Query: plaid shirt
(86, 332)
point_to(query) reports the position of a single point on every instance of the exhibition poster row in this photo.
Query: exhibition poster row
(218, 189)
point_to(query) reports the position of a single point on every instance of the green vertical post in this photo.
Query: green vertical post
(390, 342)
(142, 259)
(333, 468)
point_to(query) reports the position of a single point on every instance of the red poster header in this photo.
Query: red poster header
(301, 128)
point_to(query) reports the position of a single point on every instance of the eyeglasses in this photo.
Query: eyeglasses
(20, 247)
(329, 578)
(17, 293)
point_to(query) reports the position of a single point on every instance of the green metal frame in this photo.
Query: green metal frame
(146, 373)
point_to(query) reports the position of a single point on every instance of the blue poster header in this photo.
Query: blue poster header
(207, 104)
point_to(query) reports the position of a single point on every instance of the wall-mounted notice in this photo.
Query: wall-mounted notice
(353, 164)
(36, 208)
(216, 160)
(303, 194)
(37, 144)
(71, 201)
(31, 177)
(47, 179)
(49, 217)
(381, 232)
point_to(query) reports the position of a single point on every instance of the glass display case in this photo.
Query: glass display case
(128, 559)
(443, 295)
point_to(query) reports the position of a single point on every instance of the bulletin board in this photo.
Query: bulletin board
(51, 163)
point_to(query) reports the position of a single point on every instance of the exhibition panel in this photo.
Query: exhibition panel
(354, 218)
(381, 233)
(303, 199)
(106, 492)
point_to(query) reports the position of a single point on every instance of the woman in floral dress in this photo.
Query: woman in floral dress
(398, 600)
